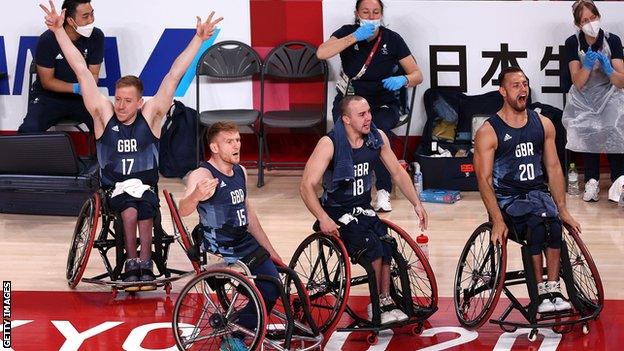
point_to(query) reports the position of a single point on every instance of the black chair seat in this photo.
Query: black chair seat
(241, 117)
(292, 119)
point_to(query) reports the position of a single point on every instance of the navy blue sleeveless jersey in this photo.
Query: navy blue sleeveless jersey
(356, 193)
(224, 218)
(128, 151)
(518, 158)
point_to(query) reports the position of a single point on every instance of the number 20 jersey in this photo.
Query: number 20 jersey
(518, 158)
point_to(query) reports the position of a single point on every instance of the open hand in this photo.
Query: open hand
(206, 29)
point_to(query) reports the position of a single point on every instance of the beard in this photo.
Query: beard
(518, 106)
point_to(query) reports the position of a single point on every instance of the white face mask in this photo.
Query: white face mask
(86, 30)
(376, 22)
(591, 28)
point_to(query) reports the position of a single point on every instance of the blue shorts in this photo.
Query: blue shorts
(146, 206)
(363, 234)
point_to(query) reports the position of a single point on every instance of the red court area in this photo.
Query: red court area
(96, 321)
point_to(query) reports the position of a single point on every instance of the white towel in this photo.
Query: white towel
(133, 187)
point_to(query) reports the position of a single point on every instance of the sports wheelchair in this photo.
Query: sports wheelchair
(207, 310)
(322, 263)
(481, 276)
(111, 235)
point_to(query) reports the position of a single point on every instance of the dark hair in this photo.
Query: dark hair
(346, 101)
(130, 81)
(219, 127)
(357, 7)
(70, 7)
(507, 70)
(579, 5)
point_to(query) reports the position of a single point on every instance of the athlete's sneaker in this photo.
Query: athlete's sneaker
(592, 188)
(385, 317)
(146, 270)
(131, 270)
(233, 344)
(397, 313)
(560, 303)
(383, 201)
(546, 305)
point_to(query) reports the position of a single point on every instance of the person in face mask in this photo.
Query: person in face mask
(55, 94)
(593, 116)
(376, 64)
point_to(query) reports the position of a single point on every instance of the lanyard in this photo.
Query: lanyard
(369, 58)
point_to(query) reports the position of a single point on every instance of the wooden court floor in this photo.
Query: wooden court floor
(33, 249)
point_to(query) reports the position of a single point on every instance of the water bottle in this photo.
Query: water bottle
(573, 185)
(423, 243)
(418, 179)
(621, 202)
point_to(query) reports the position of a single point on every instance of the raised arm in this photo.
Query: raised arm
(96, 103)
(312, 175)
(485, 147)
(402, 179)
(556, 181)
(334, 46)
(156, 108)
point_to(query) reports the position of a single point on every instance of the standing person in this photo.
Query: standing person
(376, 63)
(230, 226)
(127, 134)
(593, 114)
(510, 149)
(343, 160)
(56, 93)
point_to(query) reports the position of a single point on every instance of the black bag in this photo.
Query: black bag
(453, 106)
(178, 143)
(41, 174)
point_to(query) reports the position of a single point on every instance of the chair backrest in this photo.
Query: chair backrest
(406, 107)
(229, 60)
(38, 154)
(294, 60)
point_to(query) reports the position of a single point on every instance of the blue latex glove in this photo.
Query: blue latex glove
(364, 32)
(76, 88)
(590, 59)
(605, 62)
(394, 83)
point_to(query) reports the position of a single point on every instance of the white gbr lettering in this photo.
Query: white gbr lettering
(524, 149)
(126, 145)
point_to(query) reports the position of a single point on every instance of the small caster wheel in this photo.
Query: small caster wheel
(168, 288)
(533, 335)
(372, 339)
(585, 328)
(114, 293)
(416, 330)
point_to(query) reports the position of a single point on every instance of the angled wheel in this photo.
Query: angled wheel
(201, 319)
(479, 278)
(585, 274)
(322, 264)
(422, 283)
(180, 231)
(82, 241)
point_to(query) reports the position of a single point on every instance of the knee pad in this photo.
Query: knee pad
(554, 232)
(537, 237)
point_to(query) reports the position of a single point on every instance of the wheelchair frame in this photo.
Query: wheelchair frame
(84, 239)
(585, 307)
(298, 328)
(401, 289)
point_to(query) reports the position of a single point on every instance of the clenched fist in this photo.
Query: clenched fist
(205, 189)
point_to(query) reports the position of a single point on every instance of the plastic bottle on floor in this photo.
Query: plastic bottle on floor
(423, 243)
(573, 184)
